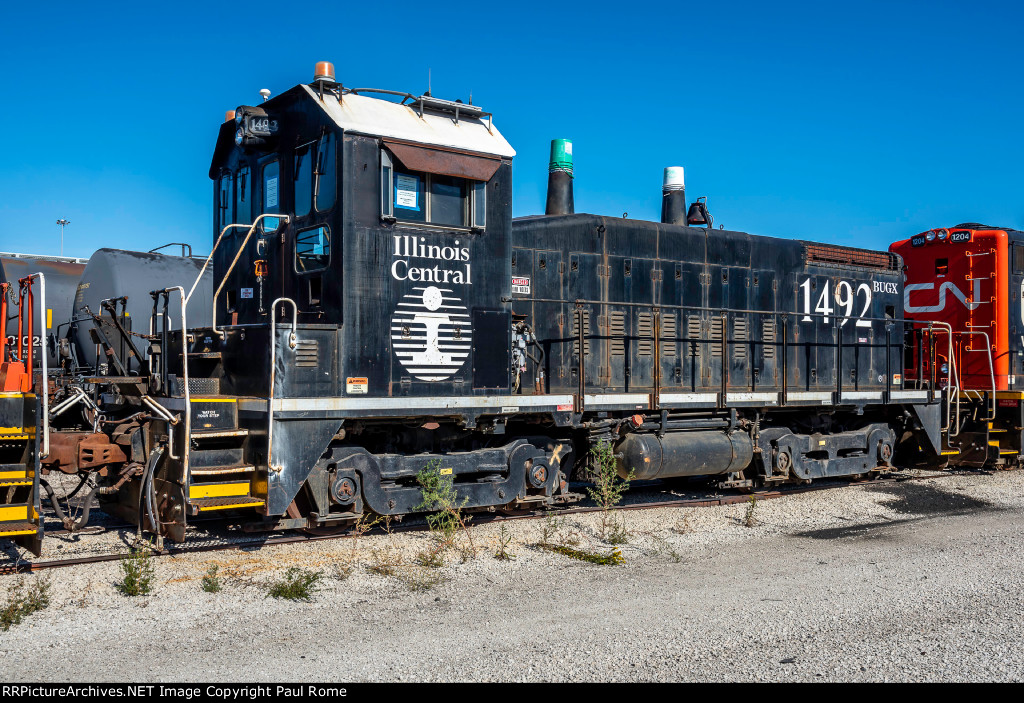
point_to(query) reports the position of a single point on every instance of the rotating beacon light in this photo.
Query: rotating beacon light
(324, 72)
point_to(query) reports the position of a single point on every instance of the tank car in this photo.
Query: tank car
(62, 275)
(118, 283)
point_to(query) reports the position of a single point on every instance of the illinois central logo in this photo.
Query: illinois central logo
(431, 333)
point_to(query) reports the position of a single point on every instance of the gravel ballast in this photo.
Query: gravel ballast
(911, 581)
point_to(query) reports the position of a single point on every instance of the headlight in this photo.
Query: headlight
(943, 233)
(944, 368)
(930, 236)
(239, 136)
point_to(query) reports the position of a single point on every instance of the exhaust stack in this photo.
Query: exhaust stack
(560, 200)
(673, 197)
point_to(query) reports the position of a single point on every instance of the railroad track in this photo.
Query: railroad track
(265, 540)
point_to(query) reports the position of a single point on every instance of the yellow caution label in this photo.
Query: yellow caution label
(446, 472)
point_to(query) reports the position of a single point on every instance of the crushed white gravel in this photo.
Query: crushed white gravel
(913, 581)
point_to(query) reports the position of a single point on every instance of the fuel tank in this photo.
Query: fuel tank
(684, 453)
(113, 273)
(62, 277)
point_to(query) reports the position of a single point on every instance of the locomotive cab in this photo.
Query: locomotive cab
(365, 186)
(360, 314)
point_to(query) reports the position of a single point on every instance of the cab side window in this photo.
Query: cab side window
(430, 198)
(312, 249)
(326, 187)
(243, 197)
(225, 201)
(271, 194)
(303, 179)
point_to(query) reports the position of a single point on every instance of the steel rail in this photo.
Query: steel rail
(480, 518)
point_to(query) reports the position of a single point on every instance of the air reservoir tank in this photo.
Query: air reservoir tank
(687, 453)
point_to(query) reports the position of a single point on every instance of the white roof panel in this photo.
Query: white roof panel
(383, 118)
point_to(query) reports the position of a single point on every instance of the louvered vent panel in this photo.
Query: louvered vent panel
(716, 336)
(618, 333)
(768, 337)
(306, 352)
(645, 333)
(576, 333)
(740, 338)
(668, 335)
(693, 334)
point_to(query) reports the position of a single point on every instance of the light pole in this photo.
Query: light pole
(62, 222)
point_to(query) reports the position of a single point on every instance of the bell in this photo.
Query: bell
(697, 215)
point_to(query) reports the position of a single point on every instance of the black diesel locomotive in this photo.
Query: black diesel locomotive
(377, 310)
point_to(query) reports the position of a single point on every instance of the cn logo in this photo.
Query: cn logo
(947, 286)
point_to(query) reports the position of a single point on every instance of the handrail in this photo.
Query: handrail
(241, 248)
(43, 353)
(991, 367)
(292, 342)
(171, 421)
(184, 373)
(781, 315)
(210, 258)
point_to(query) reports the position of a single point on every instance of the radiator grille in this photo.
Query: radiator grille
(826, 254)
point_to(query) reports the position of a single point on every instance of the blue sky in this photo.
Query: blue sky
(849, 123)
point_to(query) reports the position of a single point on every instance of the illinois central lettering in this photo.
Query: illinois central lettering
(453, 266)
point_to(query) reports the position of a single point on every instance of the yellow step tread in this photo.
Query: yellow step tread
(15, 529)
(227, 503)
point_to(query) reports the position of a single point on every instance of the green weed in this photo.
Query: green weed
(211, 582)
(611, 558)
(137, 573)
(608, 487)
(22, 602)
(297, 584)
